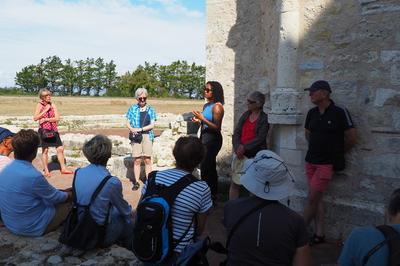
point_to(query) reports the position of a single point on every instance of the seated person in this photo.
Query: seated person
(269, 232)
(364, 239)
(195, 199)
(5, 146)
(29, 205)
(120, 224)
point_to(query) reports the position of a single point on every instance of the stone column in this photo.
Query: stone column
(285, 111)
(220, 66)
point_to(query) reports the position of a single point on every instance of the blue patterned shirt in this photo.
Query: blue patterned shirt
(133, 116)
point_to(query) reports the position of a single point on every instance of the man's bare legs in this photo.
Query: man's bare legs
(147, 166)
(137, 162)
(319, 219)
(314, 211)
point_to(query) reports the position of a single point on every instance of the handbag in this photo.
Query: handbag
(47, 133)
(82, 231)
(136, 138)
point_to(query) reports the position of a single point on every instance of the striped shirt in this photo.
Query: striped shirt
(195, 198)
(133, 116)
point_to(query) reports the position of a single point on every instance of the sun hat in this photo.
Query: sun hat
(319, 85)
(5, 133)
(267, 176)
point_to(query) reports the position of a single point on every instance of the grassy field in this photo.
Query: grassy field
(25, 105)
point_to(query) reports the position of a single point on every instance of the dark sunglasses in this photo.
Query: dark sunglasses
(142, 99)
(250, 101)
(207, 90)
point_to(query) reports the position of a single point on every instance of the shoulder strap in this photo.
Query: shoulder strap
(98, 189)
(244, 217)
(151, 187)
(171, 192)
(168, 193)
(392, 238)
(73, 187)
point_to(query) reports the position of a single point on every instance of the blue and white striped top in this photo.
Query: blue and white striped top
(195, 198)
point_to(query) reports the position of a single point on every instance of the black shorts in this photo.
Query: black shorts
(53, 142)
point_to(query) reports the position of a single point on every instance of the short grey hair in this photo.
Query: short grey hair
(140, 91)
(43, 90)
(258, 97)
(98, 150)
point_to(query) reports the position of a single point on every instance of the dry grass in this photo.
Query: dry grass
(25, 105)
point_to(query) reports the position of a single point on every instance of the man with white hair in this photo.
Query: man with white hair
(261, 230)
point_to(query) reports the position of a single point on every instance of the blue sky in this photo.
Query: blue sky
(126, 31)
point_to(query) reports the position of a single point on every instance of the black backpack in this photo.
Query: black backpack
(392, 238)
(153, 241)
(84, 233)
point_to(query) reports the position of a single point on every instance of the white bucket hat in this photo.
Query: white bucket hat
(267, 176)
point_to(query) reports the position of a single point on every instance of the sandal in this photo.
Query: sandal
(48, 174)
(66, 172)
(315, 240)
(135, 186)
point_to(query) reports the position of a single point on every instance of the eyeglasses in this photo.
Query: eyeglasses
(207, 90)
(250, 101)
(142, 99)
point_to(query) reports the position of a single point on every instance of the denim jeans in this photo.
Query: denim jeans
(119, 231)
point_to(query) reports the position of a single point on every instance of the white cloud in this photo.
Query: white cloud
(112, 29)
(174, 8)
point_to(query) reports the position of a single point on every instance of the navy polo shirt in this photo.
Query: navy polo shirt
(327, 133)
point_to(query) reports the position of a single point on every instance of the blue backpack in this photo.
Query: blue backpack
(153, 241)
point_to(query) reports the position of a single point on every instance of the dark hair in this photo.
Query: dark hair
(98, 150)
(188, 152)
(217, 90)
(25, 144)
(394, 204)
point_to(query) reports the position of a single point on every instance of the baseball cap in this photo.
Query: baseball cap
(5, 133)
(319, 85)
(267, 176)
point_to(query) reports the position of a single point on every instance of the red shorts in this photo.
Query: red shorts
(319, 175)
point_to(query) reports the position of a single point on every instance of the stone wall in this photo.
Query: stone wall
(282, 46)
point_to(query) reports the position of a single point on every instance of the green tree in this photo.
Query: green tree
(80, 76)
(111, 79)
(25, 79)
(68, 78)
(98, 76)
(88, 76)
(52, 71)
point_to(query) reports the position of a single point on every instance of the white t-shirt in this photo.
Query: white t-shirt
(4, 160)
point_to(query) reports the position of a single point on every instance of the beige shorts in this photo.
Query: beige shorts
(236, 167)
(145, 148)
